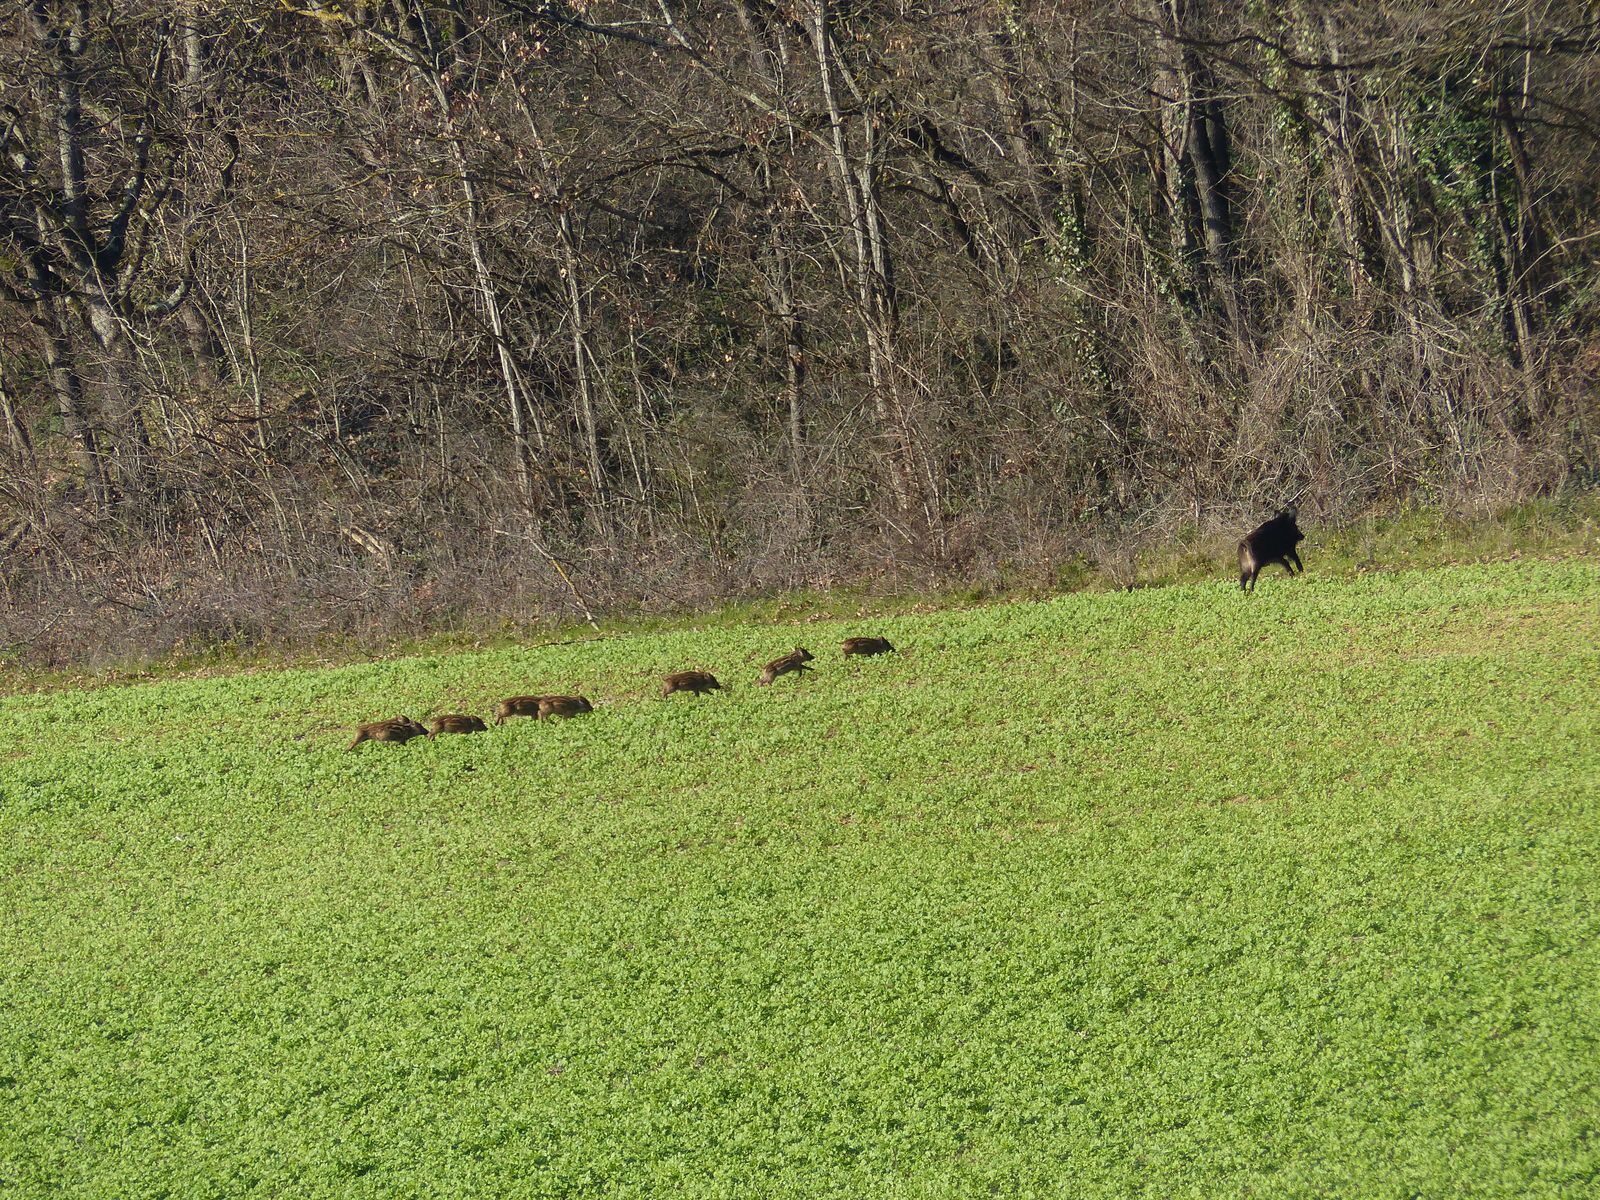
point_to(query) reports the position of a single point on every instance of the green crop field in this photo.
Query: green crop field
(1165, 893)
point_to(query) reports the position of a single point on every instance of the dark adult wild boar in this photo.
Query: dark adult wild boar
(455, 723)
(395, 729)
(1273, 542)
(698, 682)
(866, 646)
(792, 663)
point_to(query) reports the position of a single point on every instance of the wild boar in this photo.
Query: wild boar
(1272, 542)
(516, 706)
(395, 729)
(540, 707)
(563, 706)
(793, 663)
(698, 682)
(866, 646)
(455, 723)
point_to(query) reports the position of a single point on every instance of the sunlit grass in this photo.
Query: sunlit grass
(1172, 892)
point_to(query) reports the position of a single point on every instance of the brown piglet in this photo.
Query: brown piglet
(516, 706)
(455, 723)
(540, 707)
(698, 682)
(395, 729)
(793, 663)
(563, 706)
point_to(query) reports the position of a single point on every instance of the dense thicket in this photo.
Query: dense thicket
(318, 314)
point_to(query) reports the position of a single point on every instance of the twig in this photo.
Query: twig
(560, 570)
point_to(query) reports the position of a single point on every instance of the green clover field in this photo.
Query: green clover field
(1174, 892)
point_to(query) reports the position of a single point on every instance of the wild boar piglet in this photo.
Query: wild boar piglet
(698, 682)
(563, 706)
(792, 663)
(395, 729)
(455, 723)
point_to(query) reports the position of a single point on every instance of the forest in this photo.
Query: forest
(323, 319)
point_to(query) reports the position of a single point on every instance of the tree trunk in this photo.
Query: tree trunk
(1174, 182)
(71, 404)
(778, 278)
(794, 346)
(429, 75)
(1520, 237)
(1197, 158)
(1022, 134)
(857, 190)
(582, 363)
(11, 422)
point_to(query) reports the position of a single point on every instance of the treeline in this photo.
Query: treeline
(321, 316)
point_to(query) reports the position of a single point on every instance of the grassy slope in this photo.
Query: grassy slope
(1160, 893)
